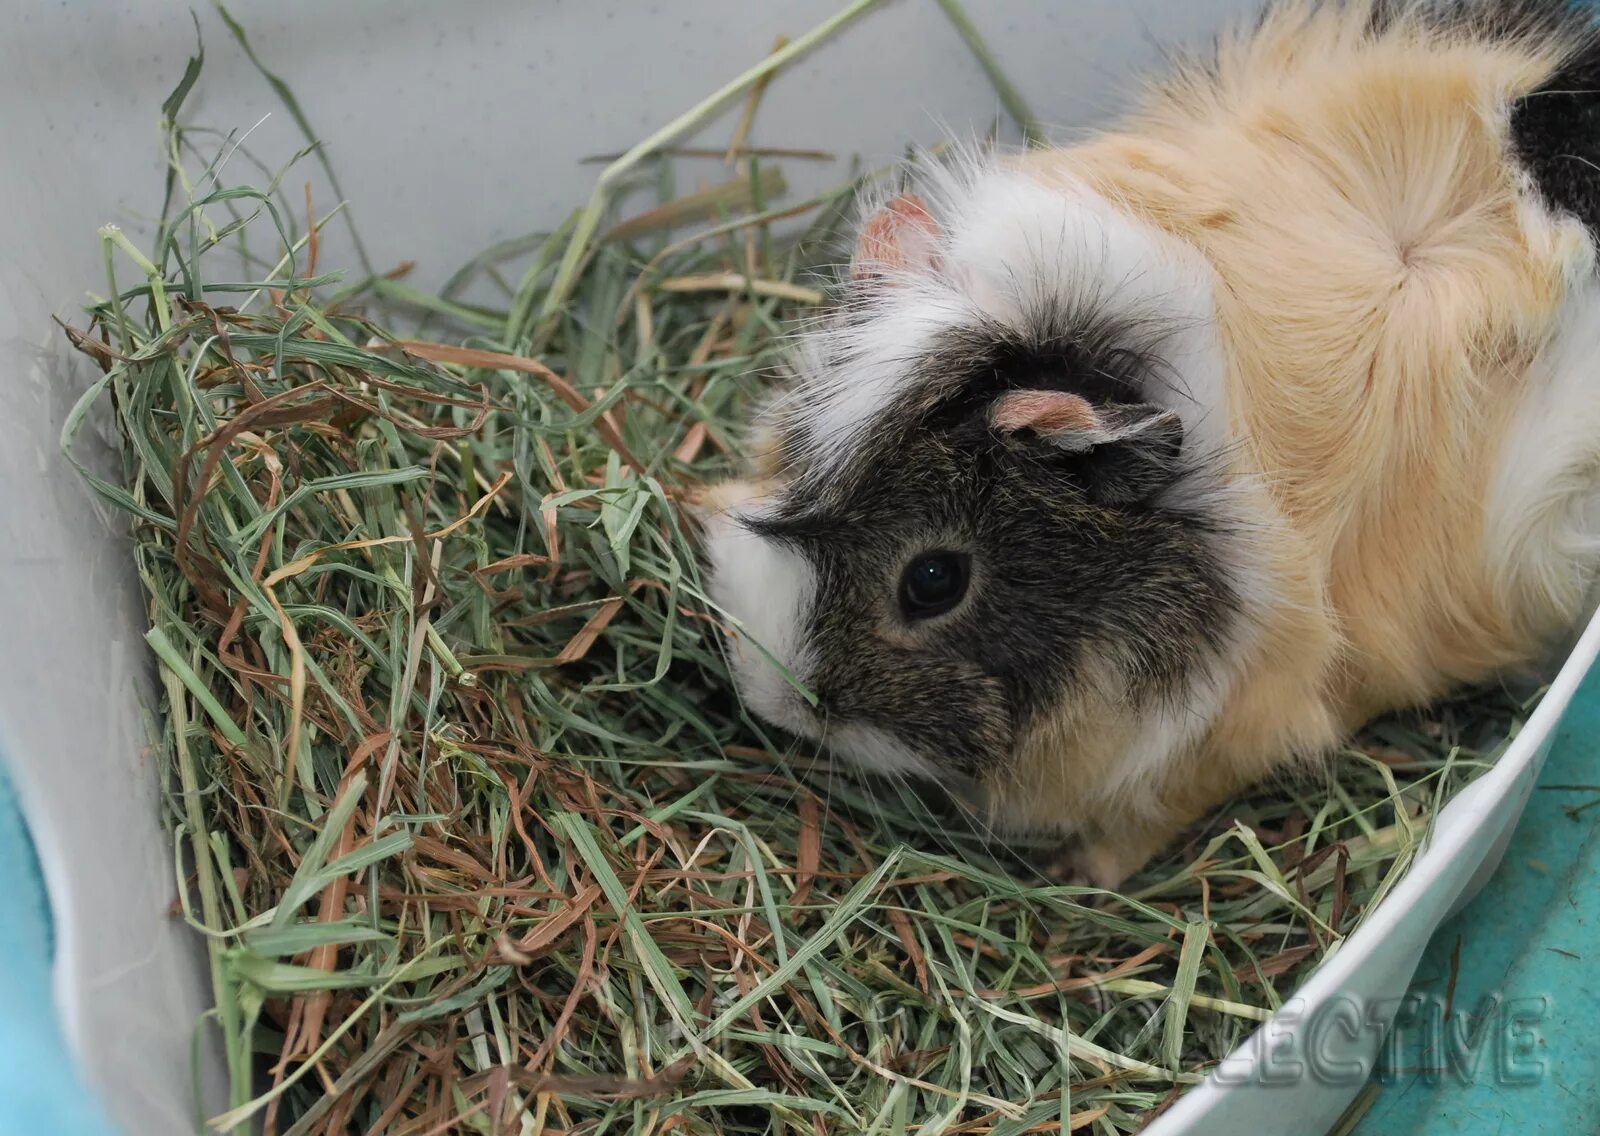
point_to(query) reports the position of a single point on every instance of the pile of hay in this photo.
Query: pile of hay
(477, 834)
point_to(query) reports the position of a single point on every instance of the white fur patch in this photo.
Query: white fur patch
(1543, 515)
(1168, 731)
(1011, 247)
(768, 588)
(877, 750)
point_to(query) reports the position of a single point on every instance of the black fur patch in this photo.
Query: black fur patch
(1065, 571)
(1555, 130)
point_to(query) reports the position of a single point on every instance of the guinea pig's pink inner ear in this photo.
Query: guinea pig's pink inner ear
(900, 238)
(1072, 422)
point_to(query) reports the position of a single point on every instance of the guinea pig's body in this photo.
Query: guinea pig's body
(1129, 471)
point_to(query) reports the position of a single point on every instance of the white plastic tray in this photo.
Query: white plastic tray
(452, 126)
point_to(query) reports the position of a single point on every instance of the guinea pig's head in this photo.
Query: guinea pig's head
(984, 523)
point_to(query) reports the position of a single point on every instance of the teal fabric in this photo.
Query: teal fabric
(1527, 968)
(40, 1091)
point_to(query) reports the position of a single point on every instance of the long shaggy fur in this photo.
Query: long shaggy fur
(1367, 242)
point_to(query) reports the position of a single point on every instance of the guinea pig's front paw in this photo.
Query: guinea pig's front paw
(1097, 865)
(1105, 862)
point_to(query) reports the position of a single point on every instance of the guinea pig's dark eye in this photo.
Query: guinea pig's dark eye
(933, 583)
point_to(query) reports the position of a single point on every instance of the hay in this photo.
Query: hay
(477, 836)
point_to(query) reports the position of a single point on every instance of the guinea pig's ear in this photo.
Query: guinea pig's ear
(900, 237)
(1134, 447)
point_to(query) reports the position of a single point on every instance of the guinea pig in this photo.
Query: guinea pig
(1127, 472)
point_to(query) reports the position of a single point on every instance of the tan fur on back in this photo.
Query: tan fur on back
(1381, 290)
